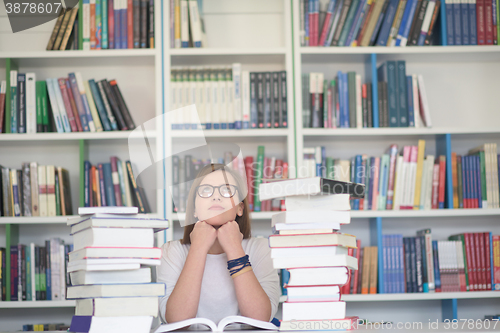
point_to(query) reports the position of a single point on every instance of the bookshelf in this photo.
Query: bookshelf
(460, 81)
(138, 73)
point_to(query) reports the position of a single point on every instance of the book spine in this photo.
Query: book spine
(86, 25)
(116, 181)
(464, 14)
(21, 103)
(457, 23)
(495, 254)
(481, 22)
(387, 23)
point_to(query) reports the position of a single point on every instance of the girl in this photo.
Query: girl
(217, 269)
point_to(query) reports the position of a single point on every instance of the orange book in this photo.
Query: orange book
(130, 24)
(373, 269)
(418, 178)
(97, 187)
(92, 25)
(365, 277)
(454, 177)
(93, 193)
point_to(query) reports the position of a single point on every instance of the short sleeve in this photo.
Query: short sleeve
(172, 261)
(262, 264)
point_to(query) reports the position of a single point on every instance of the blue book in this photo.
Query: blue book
(357, 176)
(78, 101)
(385, 264)
(457, 22)
(383, 182)
(100, 107)
(494, 286)
(450, 26)
(464, 11)
(323, 162)
(358, 17)
(378, 25)
(104, 20)
(478, 181)
(308, 4)
(472, 23)
(86, 184)
(464, 180)
(123, 26)
(53, 103)
(14, 282)
(387, 73)
(285, 277)
(345, 92)
(340, 97)
(108, 184)
(402, 281)
(402, 91)
(389, 281)
(387, 24)
(396, 274)
(349, 22)
(473, 180)
(411, 112)
(406, 21)
(117, 16)
(437, 275)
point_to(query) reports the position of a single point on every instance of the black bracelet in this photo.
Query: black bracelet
(237, 262)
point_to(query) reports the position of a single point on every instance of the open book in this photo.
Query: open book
(227, 323)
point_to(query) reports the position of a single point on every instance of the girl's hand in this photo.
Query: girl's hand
(203, 236)
(230, 238)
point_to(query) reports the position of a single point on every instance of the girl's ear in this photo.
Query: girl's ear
(240, 209)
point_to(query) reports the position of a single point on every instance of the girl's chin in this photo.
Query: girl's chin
(220, 219)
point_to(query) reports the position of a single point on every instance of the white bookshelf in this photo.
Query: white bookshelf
(37, 304)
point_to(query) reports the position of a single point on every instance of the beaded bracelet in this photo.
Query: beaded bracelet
(237, 262)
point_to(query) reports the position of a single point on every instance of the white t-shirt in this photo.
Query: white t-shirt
(218, 296)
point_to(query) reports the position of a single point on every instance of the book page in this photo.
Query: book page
(199, 322)
(232, 324)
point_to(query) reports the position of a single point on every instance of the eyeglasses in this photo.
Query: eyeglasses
(226, 191)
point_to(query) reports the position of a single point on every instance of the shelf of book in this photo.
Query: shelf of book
(246, 133)
(402, 50)
(111, 135)
(400, 131)
(80, 54)
(37, 304)
(225, 51)
(419, 296)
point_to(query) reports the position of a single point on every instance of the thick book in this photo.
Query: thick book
(125, 211)
(116, 290)
(120, 306)
(122, 324)
(122, 237)
(229, 323)
(81, 277)
(115, 252)
(302, 276)
(117, 221)
(313, 293)
(325, 239)
(313, 310)
(310, 186)
(311, 216)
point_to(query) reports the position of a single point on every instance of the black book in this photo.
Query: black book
(137, 23)
(151, 24)
(48, 276)
(267, 100)
(419, 264)
(275, 100)
(144, 24)
(418, 20)
(283, 114)
(343, 16)
(253, 101)
(407, 254)
(260, 100)
(37, 292)
(137, 196)
(385, 105)
(110, 96)
(43, 272)
(369, 104)
(364, 106)
(3, 287)
(122, 105)
(380, 85)
(22, 253)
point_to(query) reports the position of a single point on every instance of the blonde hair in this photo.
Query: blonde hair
(243, 221)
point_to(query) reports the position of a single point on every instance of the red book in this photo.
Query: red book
(481, 23)
(130, 24)
(393, 155)
(474, 252)
(2, 107)
(250, 181)
(67, 104)
(376, 168)
(111, 24)
(442, 180)
(482, 255)
(435, 187)
(468, 259)
(487, 256)
(91, 176)
(74, 109)
(488, 21)
(356, 272)
(116, 180)
(92, 26)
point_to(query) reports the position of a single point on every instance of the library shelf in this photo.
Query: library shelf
(105, 135)
(26, 220)
(459, 49)
(80, 54)
(246, 133)
(226, 51)
(424, 213)
(391, 131)
(420, 296)
(37, 304)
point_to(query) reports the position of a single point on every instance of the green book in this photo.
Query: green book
(45, 107)
(351, 86)
(259, 170)
(58, 194)
(348, 23)
(104, 34)
(329, 167)
(13, 102)
(29, 293)
(39, 122)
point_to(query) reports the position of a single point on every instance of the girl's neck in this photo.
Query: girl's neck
(216, 248)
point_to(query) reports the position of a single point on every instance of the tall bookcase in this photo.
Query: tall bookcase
(462, 87)
(138, 74)
(460, 83)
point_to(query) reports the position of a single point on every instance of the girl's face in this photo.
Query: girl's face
(216, 209)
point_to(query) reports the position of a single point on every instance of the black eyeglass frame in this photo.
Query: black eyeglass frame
(219, 188)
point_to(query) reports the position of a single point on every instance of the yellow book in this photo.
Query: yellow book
(365, 276)
(454, 176)
(420, 167)
(373, 269)
(177, 24)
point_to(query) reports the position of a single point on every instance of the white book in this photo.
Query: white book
(32, 272)
(230, 100)
(128, 193)
(184, 23)
(318, 276)
(107, 210)
(141, 275)
(42, 190)
(311, 216)
(314, 310)
(237, 95)
(416, 101)
(222, 95)
(120, 306)
(51, 190)
(425, 103)
(308, 251)
(207, 98)
(359, 102)
(93, 110)
(99, 267)
(200, 97)
(215, 115)
(113, 237)
(194, 20)
(116, 290)
(411, 179)
(93, 252)
(86, 25)
(428, 15)
(337, 202)
(245, 99)
(74, 266)
(30, 102)
(122, 324)
(54, 105)
(82, 223)
(230, 322)
(424, 183)
(340, 260)
(55, 268)
(398, 183)
(313, 293)
(60, 105)
(62, 271)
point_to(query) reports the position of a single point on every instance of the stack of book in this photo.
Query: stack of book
(307, 243)
(110, 277)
